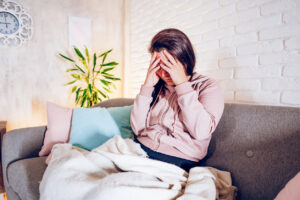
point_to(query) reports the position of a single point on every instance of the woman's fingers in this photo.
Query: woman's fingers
(169, 56)
(155, 69)
(153, 57)
(155, 63)
(165, 60)
(166, 68)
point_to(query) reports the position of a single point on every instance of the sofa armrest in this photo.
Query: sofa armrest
(19, 144)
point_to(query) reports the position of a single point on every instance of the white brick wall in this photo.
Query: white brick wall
(251, 47)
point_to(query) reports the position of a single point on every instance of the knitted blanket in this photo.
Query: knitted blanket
(120, 169)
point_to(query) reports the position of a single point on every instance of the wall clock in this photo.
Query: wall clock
(15, 24)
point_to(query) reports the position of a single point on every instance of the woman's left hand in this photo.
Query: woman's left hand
(174, 67)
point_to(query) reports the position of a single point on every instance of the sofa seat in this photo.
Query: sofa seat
(25, 175)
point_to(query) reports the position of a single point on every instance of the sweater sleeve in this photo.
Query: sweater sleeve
(140, 109)
(200, 113)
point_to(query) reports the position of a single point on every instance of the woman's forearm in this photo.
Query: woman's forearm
(200, 113)
(140, 109)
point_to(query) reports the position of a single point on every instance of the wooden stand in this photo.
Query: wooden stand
(2, 131)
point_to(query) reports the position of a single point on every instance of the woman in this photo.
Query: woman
(177, 109)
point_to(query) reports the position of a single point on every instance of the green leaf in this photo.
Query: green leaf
(73, 69)
(74, 88)
(114, 86)
(79, 98)
(95, 61)
(105, 53)
(102, 93)
(106, 74)
(71, 82)
(83, 101)
(110, 64)
(65, 57)
(76, 76)
(85, 66)
(90, 88)
(77, 93)
(84, 92)
(87, 54)
(80, 68)
(108, 77)
(104, 82)
(108, 69)
(79, 54)
(104, 57)
(109, 82)
(111, 78)
(107, 89)
(96, 97)
(86, 79)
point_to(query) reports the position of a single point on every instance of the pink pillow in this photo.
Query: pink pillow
(58, 127)
(291, 190)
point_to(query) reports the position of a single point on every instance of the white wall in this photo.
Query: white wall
(33, 73)
(252, 47)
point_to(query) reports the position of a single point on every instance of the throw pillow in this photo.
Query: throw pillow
(121, 115)
(58, 127)
(91, 127)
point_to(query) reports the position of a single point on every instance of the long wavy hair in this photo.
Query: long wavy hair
(179, 46)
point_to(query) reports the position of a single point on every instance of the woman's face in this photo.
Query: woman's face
(163, 74)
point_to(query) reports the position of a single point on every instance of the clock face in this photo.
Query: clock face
(9, 24)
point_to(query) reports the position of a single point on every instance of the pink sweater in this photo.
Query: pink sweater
(182, 121)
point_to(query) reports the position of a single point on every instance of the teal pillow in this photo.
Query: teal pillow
(121, 116)
(91, 127)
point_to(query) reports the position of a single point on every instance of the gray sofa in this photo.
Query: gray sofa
(258, 144)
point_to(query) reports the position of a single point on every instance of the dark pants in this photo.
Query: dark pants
(180, 162)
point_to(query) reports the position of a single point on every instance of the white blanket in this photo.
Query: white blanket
(120, 169)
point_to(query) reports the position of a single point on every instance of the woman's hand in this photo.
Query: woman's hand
(48, 159)
(152, 78)
(174, 67)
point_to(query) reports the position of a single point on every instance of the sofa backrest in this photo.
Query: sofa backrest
(258, 144)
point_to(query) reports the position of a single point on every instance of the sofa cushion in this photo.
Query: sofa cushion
(25, 175)
(91, 127)
(58, 127)
(121, 115)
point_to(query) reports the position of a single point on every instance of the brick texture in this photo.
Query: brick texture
(251, 47)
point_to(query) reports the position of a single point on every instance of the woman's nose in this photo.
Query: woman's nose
(165, 73)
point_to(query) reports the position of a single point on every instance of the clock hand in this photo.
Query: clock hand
(5, 21)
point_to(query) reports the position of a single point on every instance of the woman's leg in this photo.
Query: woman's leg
(180, 162)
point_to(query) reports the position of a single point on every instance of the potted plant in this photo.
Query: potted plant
(93, 77)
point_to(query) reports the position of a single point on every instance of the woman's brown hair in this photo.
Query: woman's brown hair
(179, 46)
